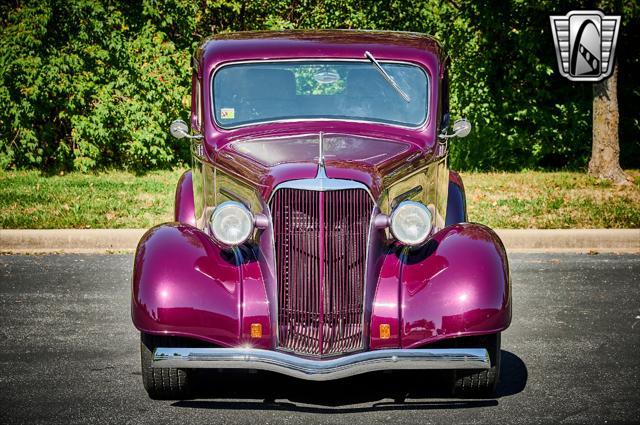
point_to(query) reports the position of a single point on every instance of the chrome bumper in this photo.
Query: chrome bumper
(321, 370)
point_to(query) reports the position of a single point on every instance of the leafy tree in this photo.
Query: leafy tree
(87, 84)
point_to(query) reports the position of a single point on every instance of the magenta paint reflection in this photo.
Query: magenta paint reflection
(185, 285)
(455, 285)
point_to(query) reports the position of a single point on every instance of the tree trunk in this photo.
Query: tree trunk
(605, 153)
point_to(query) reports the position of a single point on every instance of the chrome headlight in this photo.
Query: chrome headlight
(231, 223)
(411, 223)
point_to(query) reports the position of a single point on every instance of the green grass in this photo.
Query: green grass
(119, 199)
(107, 200)
(551, 200)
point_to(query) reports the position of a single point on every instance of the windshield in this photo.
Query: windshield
(270, 91)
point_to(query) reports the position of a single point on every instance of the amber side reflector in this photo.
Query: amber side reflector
(385, 331)
(256, 330)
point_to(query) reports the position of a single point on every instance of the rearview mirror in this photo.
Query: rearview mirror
(179, 129)
(461, 128)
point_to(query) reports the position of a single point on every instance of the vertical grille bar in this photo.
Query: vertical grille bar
(321, 280)
(321, 245)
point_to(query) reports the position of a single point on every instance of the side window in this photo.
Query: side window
(198, 95)
(445, 98)
(196, 103)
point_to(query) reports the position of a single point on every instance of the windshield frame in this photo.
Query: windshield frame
(419, 126)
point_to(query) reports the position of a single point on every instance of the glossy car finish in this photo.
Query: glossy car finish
(184, 210)
(456, 285)
(456, 200)
(185, 284)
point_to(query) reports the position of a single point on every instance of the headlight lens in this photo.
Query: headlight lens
(231, 223)
(411, 223)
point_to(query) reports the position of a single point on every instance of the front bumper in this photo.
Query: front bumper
(321, 370)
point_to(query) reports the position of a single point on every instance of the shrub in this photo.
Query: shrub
(92, 84)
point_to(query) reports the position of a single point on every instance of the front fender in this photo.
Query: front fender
(456, 200)
(186, 285)
(184, 206)
(458, 284)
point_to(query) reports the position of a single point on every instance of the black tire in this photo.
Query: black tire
(162, 383)
(483, 382)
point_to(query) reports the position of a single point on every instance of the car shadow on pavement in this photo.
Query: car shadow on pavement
(398, 390)
(513, 375)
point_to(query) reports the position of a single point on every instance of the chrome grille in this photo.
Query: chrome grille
(321, 246)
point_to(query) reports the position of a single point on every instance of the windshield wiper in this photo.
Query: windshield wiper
(387, 77)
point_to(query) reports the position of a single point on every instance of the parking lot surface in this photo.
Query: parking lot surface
(70, 355)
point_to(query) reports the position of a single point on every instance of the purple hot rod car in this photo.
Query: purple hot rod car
(320, 233)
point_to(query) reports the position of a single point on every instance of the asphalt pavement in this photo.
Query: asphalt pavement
(70, 355)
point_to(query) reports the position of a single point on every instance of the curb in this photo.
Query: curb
(571, 240)
(69, 240)
(126, 240)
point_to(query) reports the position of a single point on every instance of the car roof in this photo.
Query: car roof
(388, 45)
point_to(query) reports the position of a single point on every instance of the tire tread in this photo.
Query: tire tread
(162, 383)
(480, 383)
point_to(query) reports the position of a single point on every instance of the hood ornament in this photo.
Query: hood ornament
(321, 148)
(321, 175)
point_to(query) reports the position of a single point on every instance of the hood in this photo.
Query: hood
(267, 162)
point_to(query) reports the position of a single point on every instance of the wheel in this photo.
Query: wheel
(162, 383)
(483, 382)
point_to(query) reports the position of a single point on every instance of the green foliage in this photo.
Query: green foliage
(88, 85)
(91, 84)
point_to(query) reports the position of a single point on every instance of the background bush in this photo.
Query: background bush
(94, 84)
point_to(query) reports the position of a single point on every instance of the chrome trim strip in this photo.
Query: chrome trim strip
(234, 196)
(366, 336)
(321, 370)
(406, 195)
(304, 120)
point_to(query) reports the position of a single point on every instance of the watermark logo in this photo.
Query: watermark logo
(585, 44)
